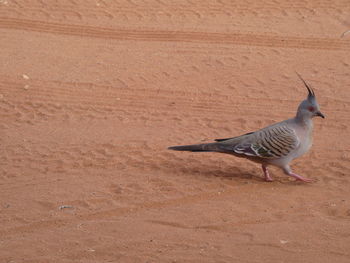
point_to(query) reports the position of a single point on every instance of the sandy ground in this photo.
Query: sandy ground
(93, 92)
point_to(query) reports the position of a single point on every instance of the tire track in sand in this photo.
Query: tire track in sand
(177, 36)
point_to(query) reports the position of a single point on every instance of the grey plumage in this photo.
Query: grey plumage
(277, 144)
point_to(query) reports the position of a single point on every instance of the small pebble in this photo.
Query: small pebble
(345, 33)
(25, 76)
(65, 206)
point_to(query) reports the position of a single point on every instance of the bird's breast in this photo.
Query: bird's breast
(305, 138)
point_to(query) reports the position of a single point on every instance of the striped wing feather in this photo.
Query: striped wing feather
(273, 142)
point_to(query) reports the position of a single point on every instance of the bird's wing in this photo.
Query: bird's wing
(225, 139)
(272, 142)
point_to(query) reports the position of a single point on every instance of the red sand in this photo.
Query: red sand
(93, 92)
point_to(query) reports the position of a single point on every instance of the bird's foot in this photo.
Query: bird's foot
(268, 178)
(300, 178)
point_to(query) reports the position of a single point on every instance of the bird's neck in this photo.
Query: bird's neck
(305, 121)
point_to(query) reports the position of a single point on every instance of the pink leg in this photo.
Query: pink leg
(300, 178)
(268, 178)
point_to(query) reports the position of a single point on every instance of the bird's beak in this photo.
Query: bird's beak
(320, 114)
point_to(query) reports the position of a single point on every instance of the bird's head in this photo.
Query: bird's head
(309, 108)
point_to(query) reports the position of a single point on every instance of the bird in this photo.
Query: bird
(275, 145)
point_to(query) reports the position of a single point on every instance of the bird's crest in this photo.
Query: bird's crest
(311, 94)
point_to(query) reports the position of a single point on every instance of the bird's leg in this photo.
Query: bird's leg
(268, 178)
(300, 178)
(289, 172)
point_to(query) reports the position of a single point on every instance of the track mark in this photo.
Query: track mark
(116, 212)
(177, 36)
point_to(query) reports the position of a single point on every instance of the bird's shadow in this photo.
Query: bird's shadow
(243, 174)
(225, 173)
(212, 170)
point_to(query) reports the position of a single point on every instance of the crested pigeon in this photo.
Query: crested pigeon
(277, 144)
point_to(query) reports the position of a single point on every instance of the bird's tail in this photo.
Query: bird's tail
(206, 147)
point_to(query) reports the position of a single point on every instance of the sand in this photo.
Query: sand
(93, 92)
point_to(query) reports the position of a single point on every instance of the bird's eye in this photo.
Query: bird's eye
(310, 108)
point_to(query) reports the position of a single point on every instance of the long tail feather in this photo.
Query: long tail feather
(208, 147)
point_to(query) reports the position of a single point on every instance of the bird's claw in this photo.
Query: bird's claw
(303, 179)
(306, 180)
(268, 179)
